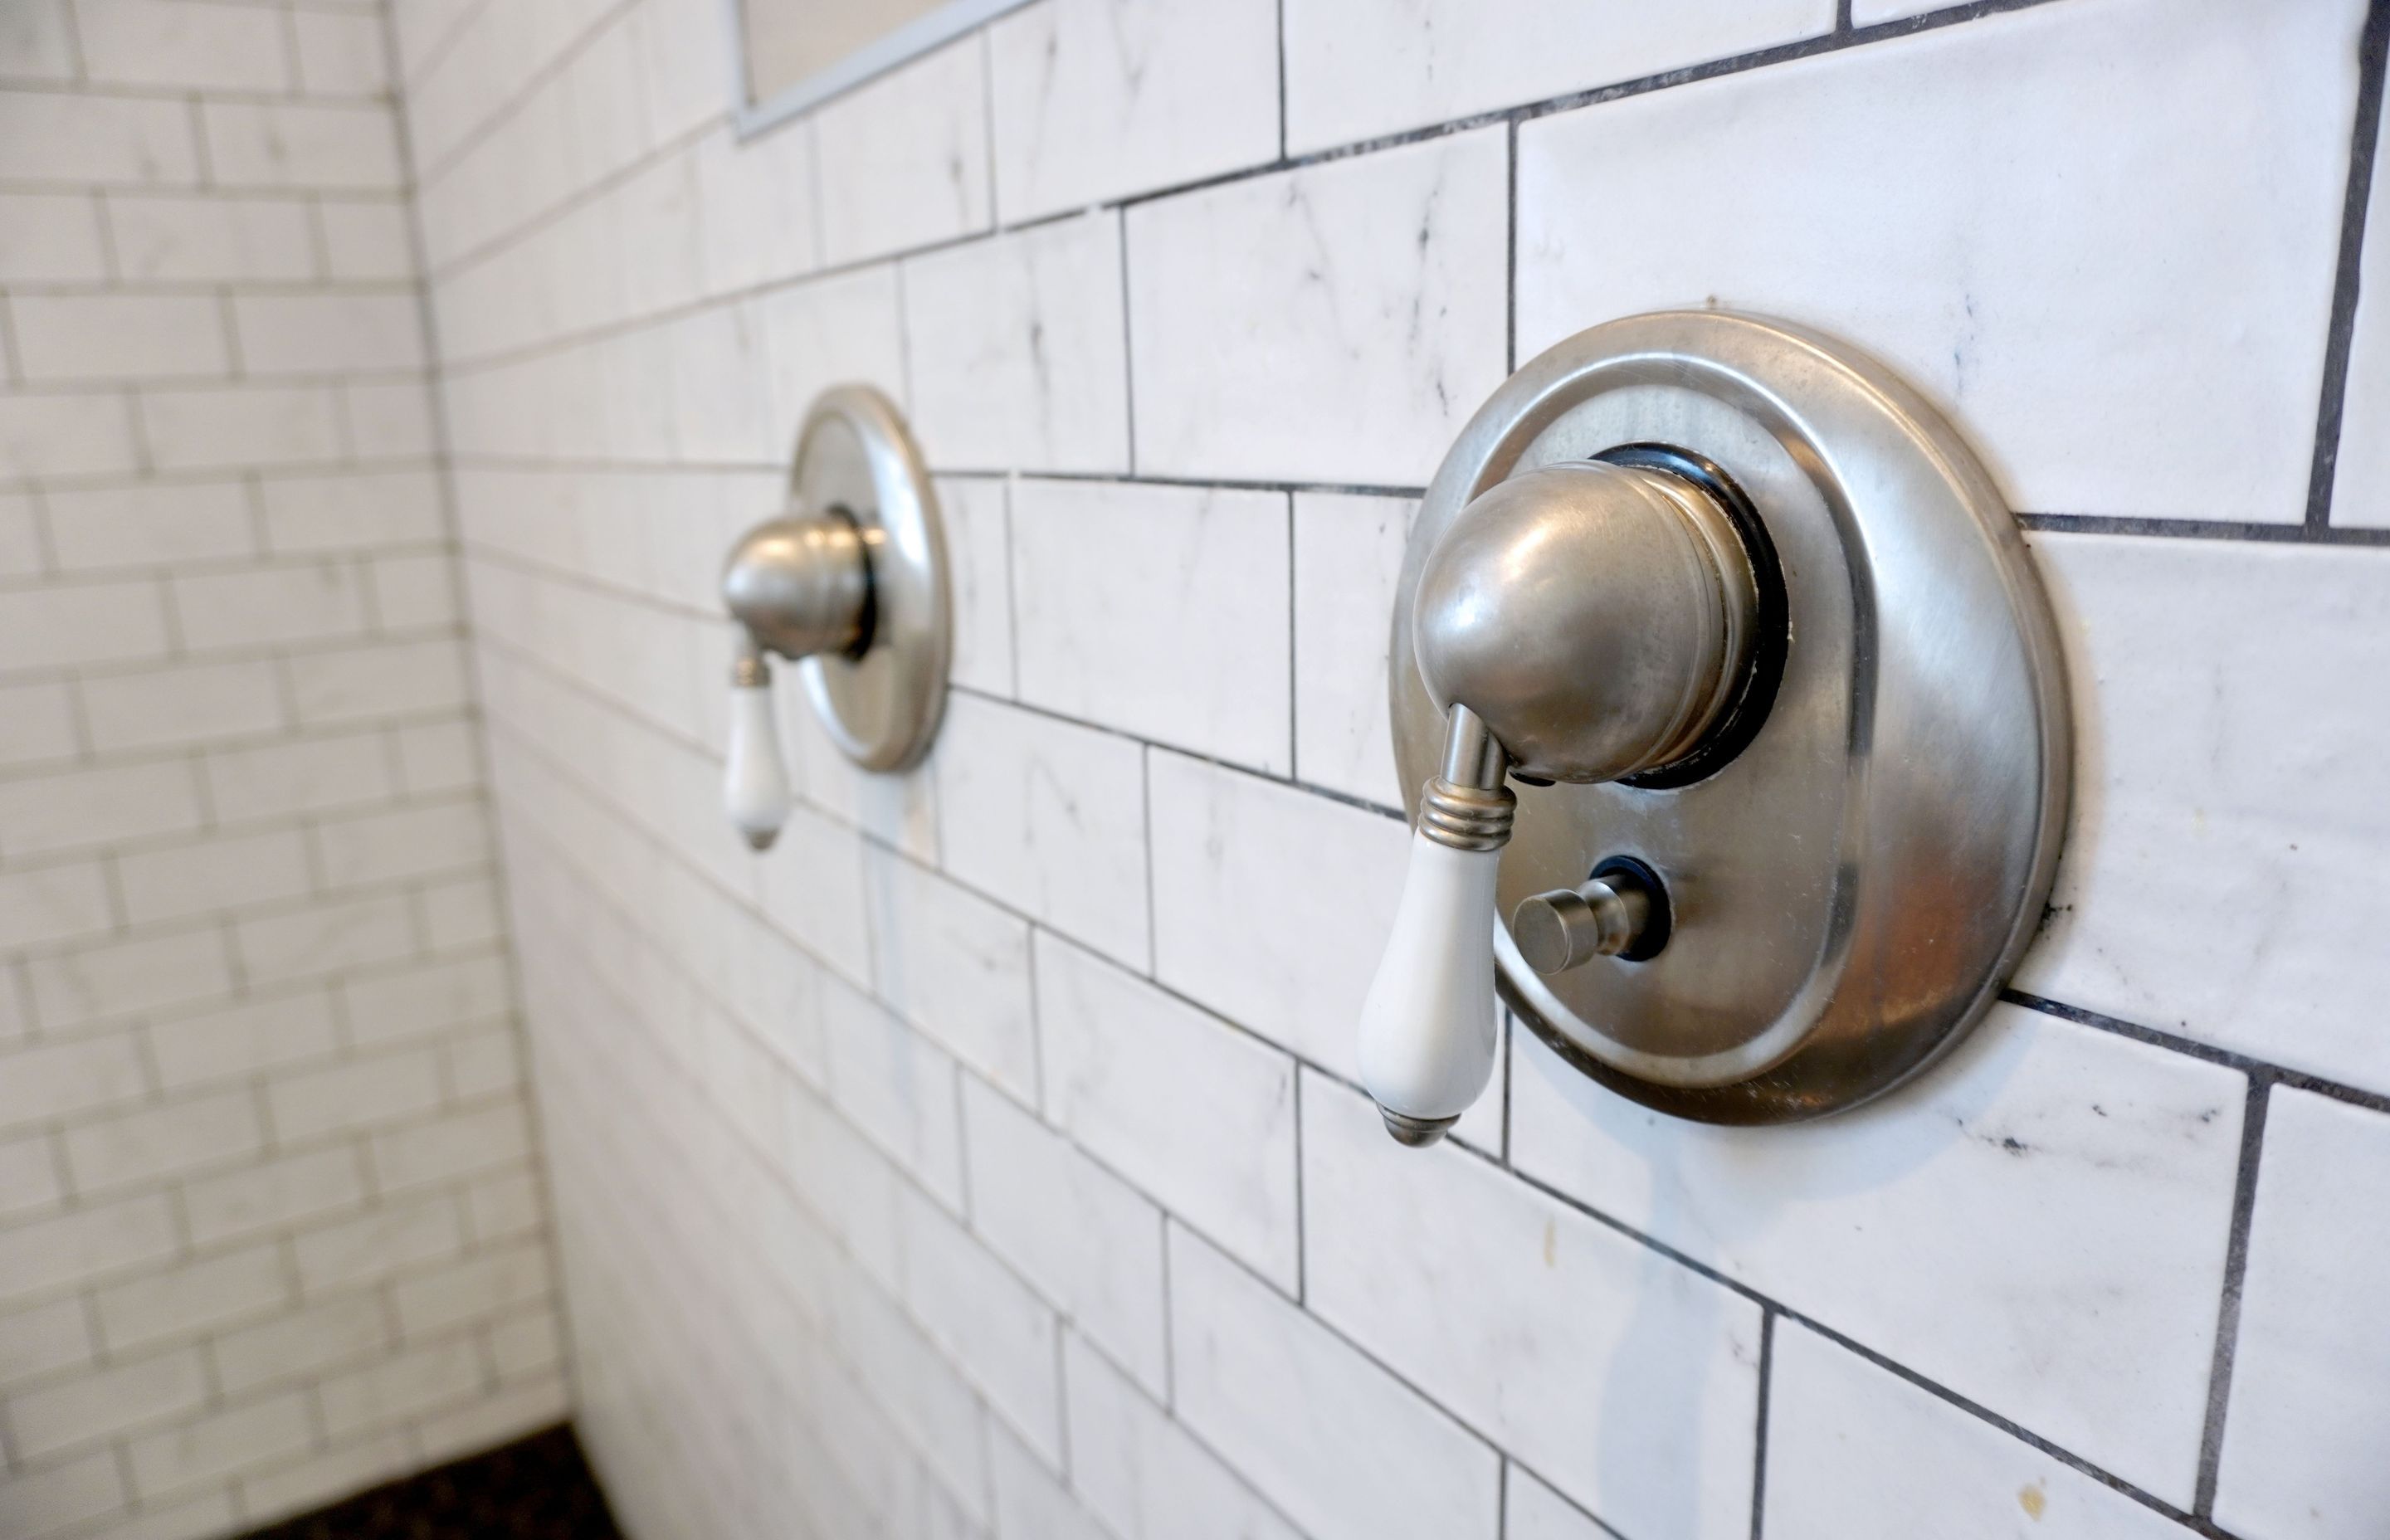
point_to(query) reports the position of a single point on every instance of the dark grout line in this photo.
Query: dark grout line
(1128, 343)
(1281, 79)
(1766, 1380)
(1842, 24)
(2191, 1048)
(2227, 1317)
(1302, 1217)
(1511, 255)
(2341, 338)
(2307, 534)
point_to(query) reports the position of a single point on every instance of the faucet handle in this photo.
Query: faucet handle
(755, 784)
(1426, 1023)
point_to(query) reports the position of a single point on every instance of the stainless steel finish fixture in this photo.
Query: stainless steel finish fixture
(1619, 911)
(1769, 668)
(851, 581)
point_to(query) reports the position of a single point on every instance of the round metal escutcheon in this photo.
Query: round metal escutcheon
(1852, 884)
(854, 457)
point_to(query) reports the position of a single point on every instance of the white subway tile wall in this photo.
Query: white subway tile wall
(272, 1226)
(984, 1161)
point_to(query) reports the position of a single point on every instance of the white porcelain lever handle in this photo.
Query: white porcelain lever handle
(755, 784)
(1426, 1023)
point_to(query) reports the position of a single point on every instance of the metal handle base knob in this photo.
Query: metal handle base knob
(1620, 911)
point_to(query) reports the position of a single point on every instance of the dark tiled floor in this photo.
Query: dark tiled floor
(536, 1489)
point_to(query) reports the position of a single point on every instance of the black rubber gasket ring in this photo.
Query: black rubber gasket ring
(1660, 923)
(1748, 711)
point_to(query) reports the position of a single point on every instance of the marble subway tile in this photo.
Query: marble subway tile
(73, 337)
(1627, 1379)
(896, 1086)
(2311, 1368)
(224, 240)
(1356, 69)
(1015, 348)
(1958, 1225)
(1856, 1453)
(813, 886)
(829, 331)
(66, 435)
(2102, 348)
(2226, 769)
(238, 427)
(904, 160)
(898, 810)
(755, 203)
(49, 238)
(99, 806)
(197, 48)
(296, 145)
(976, 511)
(1348, 1451)
(1050, 817)
(1142, 1471)
(1197, 1114)
(1084, 1237)
(150, 526)
(340, 56)
(991, 1325)
(113, 141)
(37, 41)
(902, 1369)
(1348, 555)
(1162, 612)
(1531, 1510)
(1271, 905)
(328, 333)
(954, 966)
(1098, 98)
(1336, 324)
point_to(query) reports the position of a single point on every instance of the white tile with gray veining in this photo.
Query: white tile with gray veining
(1960, 1224)
(1050, 817)
(904, 158)
(2303, 1436)
(1356, 69)
(1627, 1379)
(2226, 770)
(1334, 324)
(2085, 190)
(1095, 99)
(1342, 1447)
(1143, 1471)
(1856, 1453)
(1271, 906)
(977, 516)
(1348, 555)
(1195, 1113)
(1157, 610)
(1016, 351)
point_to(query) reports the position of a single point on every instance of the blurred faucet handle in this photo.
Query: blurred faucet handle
(755, 782)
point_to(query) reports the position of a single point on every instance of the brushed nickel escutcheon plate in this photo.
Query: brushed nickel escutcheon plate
(1847, 888)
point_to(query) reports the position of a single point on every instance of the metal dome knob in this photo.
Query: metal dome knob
(1601, 619)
